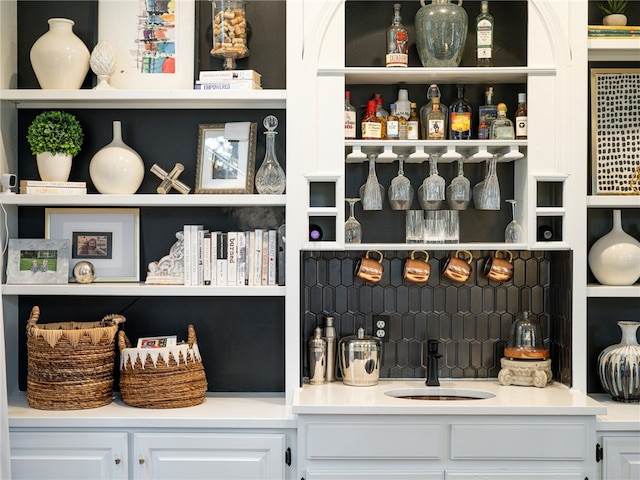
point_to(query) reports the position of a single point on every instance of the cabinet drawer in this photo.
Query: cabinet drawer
(533, 442)
(375, 441)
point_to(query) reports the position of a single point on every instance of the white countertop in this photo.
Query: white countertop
(337, 398)
(619, 417)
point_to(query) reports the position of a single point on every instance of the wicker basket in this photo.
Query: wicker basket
(70, 364)
(166, 377)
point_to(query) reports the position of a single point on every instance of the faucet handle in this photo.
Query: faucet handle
(432, 348)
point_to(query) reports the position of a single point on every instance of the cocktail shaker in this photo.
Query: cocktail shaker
(317, 358)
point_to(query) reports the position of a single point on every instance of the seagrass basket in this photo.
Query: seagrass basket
(70, 364)
(165, 377)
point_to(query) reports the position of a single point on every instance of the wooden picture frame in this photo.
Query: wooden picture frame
(226, 157)
(38, 261)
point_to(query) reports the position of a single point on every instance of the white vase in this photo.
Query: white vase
(116, 167)
(54, 168)
(59, 58)
(615, 258)
(617, 19)
(619, 366)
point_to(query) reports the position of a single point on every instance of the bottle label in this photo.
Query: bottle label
(413, 130)
(460, 121)
(393, 130)
(435, 130)
(521, 127)
(484, 35)
(372, 130)
(397, 60)
(349, 124)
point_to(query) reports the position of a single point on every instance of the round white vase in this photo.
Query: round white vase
(59, 58)
(54, 167)
(619, 366)
(116, 167)
(617, 19)
(615, 258)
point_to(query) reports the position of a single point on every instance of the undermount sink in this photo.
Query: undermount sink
(439, 393)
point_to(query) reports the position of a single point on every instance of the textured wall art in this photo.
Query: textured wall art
(615, 131)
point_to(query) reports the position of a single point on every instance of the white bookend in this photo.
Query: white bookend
(242, 258)
(257, 271)
(273, 248)
(264, 275)
(232, 258)
(187, 254)
(206, 259)
(221, 260)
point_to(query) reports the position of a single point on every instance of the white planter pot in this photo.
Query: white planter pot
(54, 168)
(617, 19)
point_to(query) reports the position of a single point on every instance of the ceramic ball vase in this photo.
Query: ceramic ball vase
(619, 366)
(117, 168)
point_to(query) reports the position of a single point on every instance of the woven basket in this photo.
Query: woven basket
(70, 364)
(166, 377)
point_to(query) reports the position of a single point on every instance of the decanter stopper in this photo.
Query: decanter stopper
(270, 177)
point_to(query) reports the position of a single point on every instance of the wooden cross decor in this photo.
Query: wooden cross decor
(170, 180)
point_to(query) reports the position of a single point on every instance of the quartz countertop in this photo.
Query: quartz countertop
(619, 417)
(337, 398)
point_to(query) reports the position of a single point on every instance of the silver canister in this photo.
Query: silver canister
(317, 358)
(332, 341)
(360, 359)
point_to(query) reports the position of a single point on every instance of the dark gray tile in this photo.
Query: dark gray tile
(389, 301)
(342, 301)
(377, 299)
(402, 299)
(329, 299)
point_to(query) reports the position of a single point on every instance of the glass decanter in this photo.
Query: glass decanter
(352, 227)
(513, 233)
(490, 199)
(400, 192)
(372, 193)
(459, 190)
(270, 178)
(431, 192)
(229, 31)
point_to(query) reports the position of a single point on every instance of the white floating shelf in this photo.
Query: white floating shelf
(595, 290)
(613, 201)
(144, 200)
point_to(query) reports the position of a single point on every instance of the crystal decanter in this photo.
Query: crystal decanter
(270, 178)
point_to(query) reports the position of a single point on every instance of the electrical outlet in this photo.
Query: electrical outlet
(381, 327)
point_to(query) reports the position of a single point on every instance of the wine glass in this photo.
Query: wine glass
(513, 233)
(459, 190)
(352, 227)
(490, 199)
(400, 190)
(477, 189)
(431, 192)
(372, 192)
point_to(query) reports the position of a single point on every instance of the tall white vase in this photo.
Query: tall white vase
(615, 258)
(59, 58)
(116, 167)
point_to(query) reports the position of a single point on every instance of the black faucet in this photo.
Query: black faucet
(432, 363)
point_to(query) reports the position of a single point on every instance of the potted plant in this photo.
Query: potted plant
(614, 12)
(55, 137)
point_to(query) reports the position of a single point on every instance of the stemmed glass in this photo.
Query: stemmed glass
(477, 189)
(352, 227)
(459, 190)
(513, 233)
(490, 199)
(431, 192)
(372, 192)
(400, 190)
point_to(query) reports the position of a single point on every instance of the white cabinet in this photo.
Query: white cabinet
(620, 456)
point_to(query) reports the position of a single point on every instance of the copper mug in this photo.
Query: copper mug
(499, 267)
(417, 270)
(456, 268)
(369, 269)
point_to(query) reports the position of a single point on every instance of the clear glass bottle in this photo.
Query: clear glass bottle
(521, 117)
(502, 127)
(413, 124)
(392, 124)
(380, 111)
(487, 113)
(373, 127)
(432, 92)
(484, 36)
(270, 178)
(460, 117)
(435, 122)
(349, 117)
(397, 41)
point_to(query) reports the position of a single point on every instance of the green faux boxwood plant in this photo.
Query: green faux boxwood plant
(55, 132)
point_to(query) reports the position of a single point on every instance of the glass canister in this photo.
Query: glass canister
(441, 33)
(229, 31)
(525, 339)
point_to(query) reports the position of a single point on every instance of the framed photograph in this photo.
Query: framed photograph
(615, 143)
(38, 261)
(106, 237)
(226, 157)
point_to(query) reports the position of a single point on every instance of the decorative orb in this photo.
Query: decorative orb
(83, 272)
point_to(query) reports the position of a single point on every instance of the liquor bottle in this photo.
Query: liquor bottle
(484, 36)
(483, 129)
(403, 104)
(432, 92)
(373, 127)
(392, 124)
(380, 111)
(521, 117)
(487, 113)
(460, 115)
(413, 125)
(403, 128)
(349, 117)
(397, 41)
(435, 121)
(502, 127)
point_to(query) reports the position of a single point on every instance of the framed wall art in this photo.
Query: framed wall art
(615, 127)
(226, 157)
(38, 261)
(106, 237)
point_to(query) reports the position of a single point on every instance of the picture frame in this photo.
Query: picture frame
(38, 261)
(226, 158)
(615, 109)
(106, 237)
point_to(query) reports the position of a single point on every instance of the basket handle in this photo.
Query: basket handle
(33, 319)
(123, 341)
(192, 335)
(113, 319)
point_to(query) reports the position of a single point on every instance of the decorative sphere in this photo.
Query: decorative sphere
(83, 272)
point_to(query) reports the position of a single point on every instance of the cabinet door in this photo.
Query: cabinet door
(621, 458)
(209, 456)
(362, 474)
(68, 455)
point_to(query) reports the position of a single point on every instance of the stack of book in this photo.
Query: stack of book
(614, 31)
(229, 80)
(218, 258)
(38, 187)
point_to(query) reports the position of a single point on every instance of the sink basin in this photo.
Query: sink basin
(439, 393)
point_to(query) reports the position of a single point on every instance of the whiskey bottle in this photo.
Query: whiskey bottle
(502, 127)
(487, 113)
(460, 115)
(413, 124)
(397, 41)
(392, 124)
(349, 117)
(435, 121)
(373, 127)
(484, 36)
(380, 111)
(432, 92)
(521, 117)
